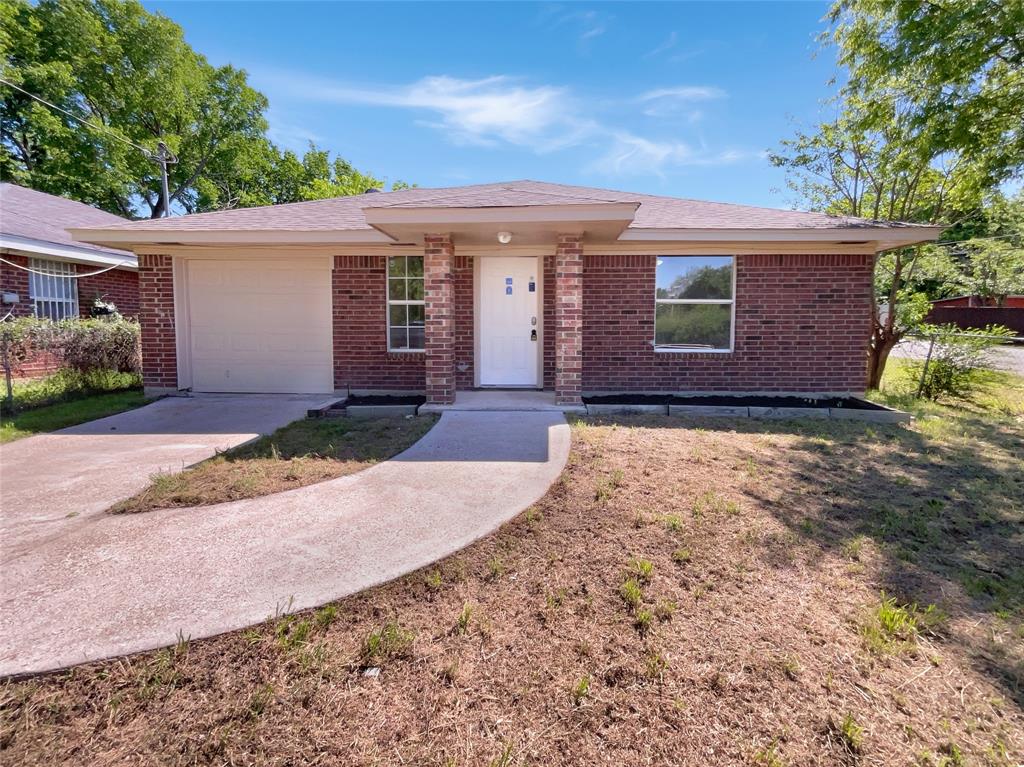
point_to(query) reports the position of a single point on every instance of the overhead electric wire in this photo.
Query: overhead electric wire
(50, 274)
(148, 152)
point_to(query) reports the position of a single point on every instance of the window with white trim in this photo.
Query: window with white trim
(694, 303)
(53, 289)
(406, 307)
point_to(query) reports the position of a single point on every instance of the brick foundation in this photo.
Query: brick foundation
(568, 319)
(802, 324)
(156, 316)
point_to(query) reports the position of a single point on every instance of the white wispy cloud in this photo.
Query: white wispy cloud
(630, 154)
(288, 135)
(588, 23)
(666, 102)
(484, 111)
(668, 45)
(506, 111)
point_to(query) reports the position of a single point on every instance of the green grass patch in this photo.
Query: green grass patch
(302, 453)
(63, 414)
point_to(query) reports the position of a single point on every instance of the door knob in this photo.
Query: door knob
(533, 335)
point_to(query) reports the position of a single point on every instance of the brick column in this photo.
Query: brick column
(156, 316)
(438, 256)
(569, 319)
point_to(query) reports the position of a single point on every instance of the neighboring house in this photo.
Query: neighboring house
(33, 236)
(518, 284)
(979, 312)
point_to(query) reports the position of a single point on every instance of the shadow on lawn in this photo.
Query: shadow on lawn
(944, 504)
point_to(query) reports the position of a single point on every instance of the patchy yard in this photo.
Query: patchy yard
(60, 415)
(301, 453)
(689, 592)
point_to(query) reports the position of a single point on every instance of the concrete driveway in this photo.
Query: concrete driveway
(53, 483)
(118, 584)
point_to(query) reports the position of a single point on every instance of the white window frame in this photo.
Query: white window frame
(53, 285)
(406, 302)
(671, 349)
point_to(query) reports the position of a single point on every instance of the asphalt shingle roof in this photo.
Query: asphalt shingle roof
(40, 216)
(654, 212)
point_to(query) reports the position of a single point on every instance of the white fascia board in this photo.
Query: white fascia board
(161, 236)
(62, 252)
(909, 235)
(502, 215)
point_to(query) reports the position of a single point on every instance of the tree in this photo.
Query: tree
(929, 121)
(955, 66)
(891, 173)
(131, 73)
(989, 261)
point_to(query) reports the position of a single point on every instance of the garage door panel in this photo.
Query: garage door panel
(261, 326)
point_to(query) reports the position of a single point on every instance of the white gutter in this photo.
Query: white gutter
(62, 252)
(908, 235)
(168, 236)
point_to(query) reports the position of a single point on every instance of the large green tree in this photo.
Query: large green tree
(929, 124)
(956, 67)
(131, 75)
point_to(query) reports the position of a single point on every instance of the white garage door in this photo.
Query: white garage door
(261, 326)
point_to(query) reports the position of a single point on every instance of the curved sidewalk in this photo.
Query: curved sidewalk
(122, 584)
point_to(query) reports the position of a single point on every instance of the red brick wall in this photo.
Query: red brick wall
(119, 286)
(802, 323)
(548, 311)
(156, 316)
(361, 357)
(462, 286)
(438, 263)
(13, 280)
(569, 318)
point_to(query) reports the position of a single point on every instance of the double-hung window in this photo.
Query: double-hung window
(406, 312)
(52, 289)
(693, 303)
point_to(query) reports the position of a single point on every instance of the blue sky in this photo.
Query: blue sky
(680, 99)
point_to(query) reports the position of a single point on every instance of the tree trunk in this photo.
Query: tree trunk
(878, 354)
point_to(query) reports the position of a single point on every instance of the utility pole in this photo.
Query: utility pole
(165, 158)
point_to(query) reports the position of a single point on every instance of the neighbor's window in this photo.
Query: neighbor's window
(405, 303)
(52, 289)
(693, 308)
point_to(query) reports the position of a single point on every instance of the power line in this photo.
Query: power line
(163, 156)
(73, 116)
(976, 239)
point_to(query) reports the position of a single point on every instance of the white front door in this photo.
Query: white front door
(509, 321)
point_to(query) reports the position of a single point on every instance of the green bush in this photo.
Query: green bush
(96, 355)
(100, 344)
(956, 359)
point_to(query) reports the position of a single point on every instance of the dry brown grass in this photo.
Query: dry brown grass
(301, 453)
(522, 649)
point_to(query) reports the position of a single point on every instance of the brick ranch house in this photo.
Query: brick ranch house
(33, 235)
(519, 284)
(44, 272)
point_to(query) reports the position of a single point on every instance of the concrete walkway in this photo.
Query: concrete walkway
(121, 584)
(52, 483)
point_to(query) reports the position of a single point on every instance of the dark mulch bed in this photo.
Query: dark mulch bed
(728, 400)
(381, 399)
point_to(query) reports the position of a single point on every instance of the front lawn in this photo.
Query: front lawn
(301, 453)
(63, 414)
(716, 591)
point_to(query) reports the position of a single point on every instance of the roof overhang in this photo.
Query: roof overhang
(62, 252)
(528, 224)
(882, 238)
(132, 236)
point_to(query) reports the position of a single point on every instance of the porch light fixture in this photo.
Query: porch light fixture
(504, 237)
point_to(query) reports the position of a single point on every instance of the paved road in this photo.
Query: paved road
(1009, 358)
(126, 583)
